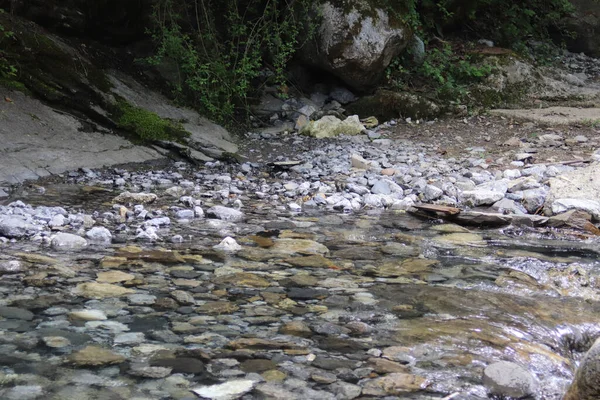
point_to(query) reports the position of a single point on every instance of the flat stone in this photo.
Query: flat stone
(56, 342)
(243, 279)
(16, 313)
(88, 315)
(230, 390)
(225, 213)
(291, 247)
(394, 384)
(180, 365)
(92, 356)
(114, 277)
(135, 198)
(146, 371)
(130, 338)
(93, 290)
(140, 299)
(314, 261)
(217, 307)
(257, 365)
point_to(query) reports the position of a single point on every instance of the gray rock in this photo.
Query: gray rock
(139, 299)
(586, 384)
(475, 198)
(130, 338)
(68, 241)
(99, 234)
(381, 187)
(342, 95)
(146, 371)
(23, 392)
(591, 206)
(345, 391)
(16, 227)
(509, 379)
(225, 213)
(533, 199)
(432, 192)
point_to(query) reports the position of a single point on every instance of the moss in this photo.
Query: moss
(146, 125)
(13, 83)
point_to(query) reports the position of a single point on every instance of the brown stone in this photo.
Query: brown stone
(243, 279)
(296, 328)
(394, 384)
(95, 356)
(114, 277)
(256, 343)
(314, 261)
(383, 366)
(217, 307)
(257, 365)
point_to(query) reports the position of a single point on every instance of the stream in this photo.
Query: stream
(315, 305)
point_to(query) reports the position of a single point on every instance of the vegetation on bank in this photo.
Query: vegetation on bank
(450, 29)
(219, 50)
(146, 125)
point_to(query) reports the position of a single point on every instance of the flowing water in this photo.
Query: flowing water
(439, 301)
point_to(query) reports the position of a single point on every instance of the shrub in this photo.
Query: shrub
(220, 48)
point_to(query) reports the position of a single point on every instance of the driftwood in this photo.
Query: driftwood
(434, 208)
(476, 218)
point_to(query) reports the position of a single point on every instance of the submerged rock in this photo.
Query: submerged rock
(508, 379)
(226, 391)
(68, 241)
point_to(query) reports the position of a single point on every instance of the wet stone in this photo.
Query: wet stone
(16, 313)
(141, 299)
(332, 364)
(508, 379)
(95, 356)
(306, 294)
(258, 365)
(180, 365)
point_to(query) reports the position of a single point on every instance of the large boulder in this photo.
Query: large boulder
(586, 385)
(355, 41)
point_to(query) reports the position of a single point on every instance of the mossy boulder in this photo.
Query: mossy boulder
(355, 41)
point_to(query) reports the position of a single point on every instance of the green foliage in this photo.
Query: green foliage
(219, 48)
(8, 71)
(508, 23)
(147, 125)
(445, 71)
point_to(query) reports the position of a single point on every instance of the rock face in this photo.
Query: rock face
(586, 385)
(355, 41)
(585, 22)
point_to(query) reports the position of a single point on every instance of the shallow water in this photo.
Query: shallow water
(454, 300)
